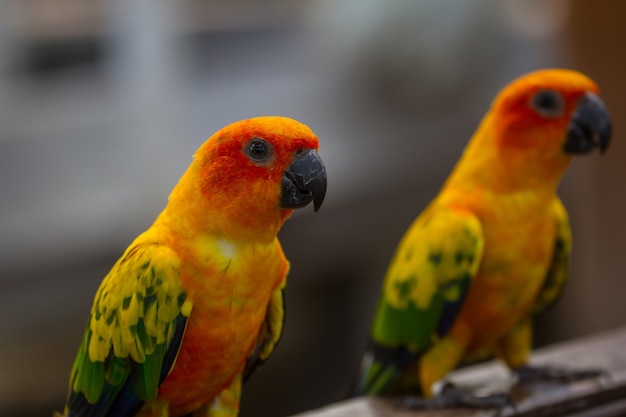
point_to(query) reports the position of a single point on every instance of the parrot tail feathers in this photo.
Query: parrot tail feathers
(380, 369)
(114, 401)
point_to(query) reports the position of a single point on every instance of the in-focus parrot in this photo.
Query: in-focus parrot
(490, 250)
(195, 303)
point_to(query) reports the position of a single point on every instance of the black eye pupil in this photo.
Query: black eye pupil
(548, 103)
(258, 150)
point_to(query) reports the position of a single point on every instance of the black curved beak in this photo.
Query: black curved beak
(590, 126)
(304, 181)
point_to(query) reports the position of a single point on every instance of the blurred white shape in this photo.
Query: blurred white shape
(144, 65)
(536, 19)
(141, 48)
(416, 53)
(8, 10)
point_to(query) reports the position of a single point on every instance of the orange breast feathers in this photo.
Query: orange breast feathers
(230, 301)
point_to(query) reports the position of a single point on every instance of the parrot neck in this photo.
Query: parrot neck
(486, 162)
(189, 214)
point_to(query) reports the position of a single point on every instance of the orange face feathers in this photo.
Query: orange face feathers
(230, 154)
(251, 173)
(536, 111)
(533, 128)
(520, 95)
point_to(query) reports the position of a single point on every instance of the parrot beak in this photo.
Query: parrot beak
(590, 126)
(304, 181)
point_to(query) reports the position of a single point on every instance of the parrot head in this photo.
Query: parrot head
(251, 174)
(553, 111)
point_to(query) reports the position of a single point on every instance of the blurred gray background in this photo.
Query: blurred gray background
(103, 103)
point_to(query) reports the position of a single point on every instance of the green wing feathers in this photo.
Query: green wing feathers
(139, 310)
(559, 267)
(431, 269)
(422, 292)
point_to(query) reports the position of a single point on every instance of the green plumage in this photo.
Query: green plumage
(139, 309)
(422, 292)
(393, 327)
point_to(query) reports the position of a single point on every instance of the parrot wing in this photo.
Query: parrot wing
(559, 268)
(135, 328)
(422, 293)
(269, 333)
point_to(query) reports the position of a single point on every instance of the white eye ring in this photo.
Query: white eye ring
(548, 103)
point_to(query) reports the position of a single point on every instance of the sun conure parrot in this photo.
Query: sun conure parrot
(195, 303)
(490, 250)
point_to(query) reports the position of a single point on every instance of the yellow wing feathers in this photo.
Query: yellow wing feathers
(270, 332)
(559, 267)
(136, 304)
(443, 246)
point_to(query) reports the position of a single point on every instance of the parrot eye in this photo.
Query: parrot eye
(547, 103)
(258, 150)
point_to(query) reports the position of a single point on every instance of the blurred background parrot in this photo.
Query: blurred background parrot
(490, 250)
(195, 303)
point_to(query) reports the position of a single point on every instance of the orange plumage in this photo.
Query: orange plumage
(493, 247)
(196, 300)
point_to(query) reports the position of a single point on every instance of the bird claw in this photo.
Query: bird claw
(452, 396)
(528, 373)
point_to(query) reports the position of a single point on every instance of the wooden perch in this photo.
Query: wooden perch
(604, 396)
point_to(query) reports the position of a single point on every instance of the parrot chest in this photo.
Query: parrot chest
(231, 290)
(519, 242)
